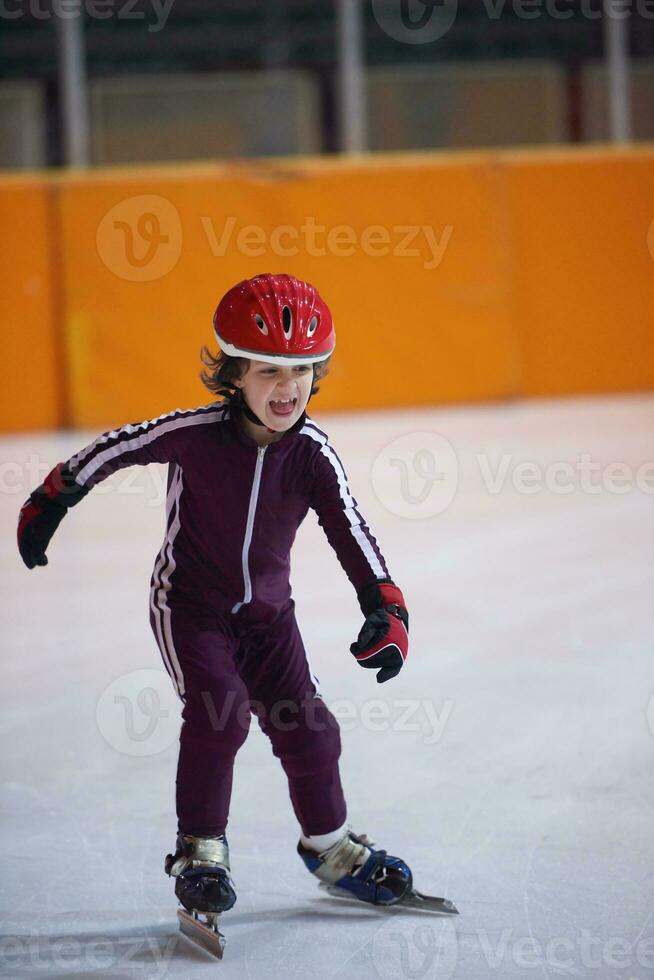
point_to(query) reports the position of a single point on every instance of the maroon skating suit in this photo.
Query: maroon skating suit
(220, 599)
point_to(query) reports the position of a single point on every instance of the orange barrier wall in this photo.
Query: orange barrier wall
(148, 255)
(452, 277)
(583, 270)
(31, 367)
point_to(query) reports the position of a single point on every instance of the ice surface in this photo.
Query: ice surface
(514, 767)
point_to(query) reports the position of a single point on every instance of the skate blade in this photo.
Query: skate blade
(201, 932)
(414, 900)
(429, 903)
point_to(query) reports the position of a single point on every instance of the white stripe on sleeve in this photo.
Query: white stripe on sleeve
(357, 531)
(139, 442)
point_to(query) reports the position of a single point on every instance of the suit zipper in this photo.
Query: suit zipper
(254, 494)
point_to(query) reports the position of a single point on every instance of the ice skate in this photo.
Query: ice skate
(203, 887)
(353, 869)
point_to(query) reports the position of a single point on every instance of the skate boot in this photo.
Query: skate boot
(201, 867)
(353, 866)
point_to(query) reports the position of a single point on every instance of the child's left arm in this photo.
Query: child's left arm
(384, 637)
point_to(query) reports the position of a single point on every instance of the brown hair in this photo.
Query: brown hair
(223, 370)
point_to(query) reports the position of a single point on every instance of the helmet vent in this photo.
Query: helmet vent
(287, 320)
(313, 323)
(261, 323)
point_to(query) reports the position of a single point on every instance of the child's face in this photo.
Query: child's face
(265, 383)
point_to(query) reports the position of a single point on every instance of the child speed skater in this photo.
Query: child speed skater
(243, 472)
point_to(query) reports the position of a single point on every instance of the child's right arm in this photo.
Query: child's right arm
(154, 441)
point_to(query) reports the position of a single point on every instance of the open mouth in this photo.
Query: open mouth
(285, 406)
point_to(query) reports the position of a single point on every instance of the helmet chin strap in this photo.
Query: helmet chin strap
(249, 414)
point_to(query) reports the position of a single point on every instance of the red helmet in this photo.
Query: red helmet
(275, 318)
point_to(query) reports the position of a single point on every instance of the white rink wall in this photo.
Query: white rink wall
(510, 763)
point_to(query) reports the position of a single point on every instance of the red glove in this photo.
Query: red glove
(43, 511)
(383, 640)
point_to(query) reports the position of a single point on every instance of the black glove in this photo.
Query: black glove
(383, 639)
(43, 511)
